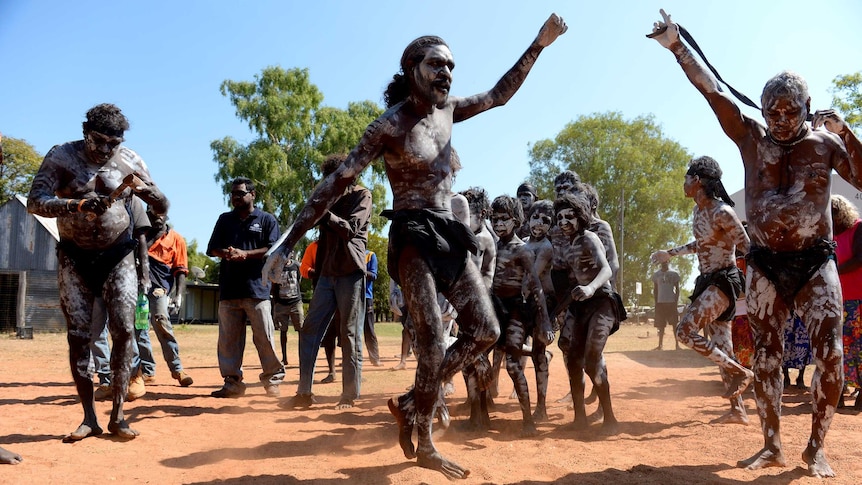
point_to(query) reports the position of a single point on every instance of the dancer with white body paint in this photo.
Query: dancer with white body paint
(718, 233)
(788, 174)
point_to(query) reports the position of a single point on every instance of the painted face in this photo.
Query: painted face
(691, 184)
(785, 117)
(567, 221)
(433, 76)
(564, 187)
(100, 148)
(503, 224)
(526, 200)
(241, 198)
(540, 224)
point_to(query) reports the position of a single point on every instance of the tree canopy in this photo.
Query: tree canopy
(847, 98)
(638, 174)
(19, 162)
(294, 133)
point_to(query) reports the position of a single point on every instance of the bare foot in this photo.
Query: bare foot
(817, 464)
(764, 458)
(529, 429)
(83, 431)
(540, 414)
(731, 417)
(344, 404)
(435, 461)
(610, 427)
(400, 366)
(738, 384)
(405, 429)
(122, 430)
(9, 458)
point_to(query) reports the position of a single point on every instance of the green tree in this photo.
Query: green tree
(19, 162)
(202, 261)
(847, 98)
(294, 133)
(638, 174)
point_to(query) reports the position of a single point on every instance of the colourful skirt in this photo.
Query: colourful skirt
(797, 345)
(853, 343)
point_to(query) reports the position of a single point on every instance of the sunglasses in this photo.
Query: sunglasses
(239, 193)
(100, 140)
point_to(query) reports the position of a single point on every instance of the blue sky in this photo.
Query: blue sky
(162, 63)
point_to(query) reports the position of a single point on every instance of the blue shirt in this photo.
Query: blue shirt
(242, 279)
(370, 273)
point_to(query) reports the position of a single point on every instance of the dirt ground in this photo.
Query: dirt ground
(665, 401)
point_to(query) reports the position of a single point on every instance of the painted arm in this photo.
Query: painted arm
(506, 87)
(597, 250)
(489, 262)
(662, 256)
(849, 161)
(733, 122)
(534, 287)
(325, 194)
(736, 231)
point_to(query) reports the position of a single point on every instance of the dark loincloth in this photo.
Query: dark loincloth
(443, 241)
(94, 266)
(790, 271)
(728, 281)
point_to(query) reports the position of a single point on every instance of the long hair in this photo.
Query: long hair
(399, 88)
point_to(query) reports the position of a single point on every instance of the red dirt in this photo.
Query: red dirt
(664, 401)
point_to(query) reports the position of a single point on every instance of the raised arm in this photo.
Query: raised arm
(513, 79)
(848, 162)
(325, 194)
(733, 122)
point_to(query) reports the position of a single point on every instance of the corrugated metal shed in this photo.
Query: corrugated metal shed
(28, 270)
(28, 242)
(29, 296)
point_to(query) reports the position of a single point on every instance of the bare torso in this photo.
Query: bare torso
(586, 257)
(513, 263)
(787, 189)
(67, 174)
(417, 155)
(716, 233)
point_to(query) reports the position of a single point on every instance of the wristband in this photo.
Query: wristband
(81, 204)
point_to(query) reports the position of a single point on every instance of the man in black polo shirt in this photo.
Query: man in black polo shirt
(241, 238)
